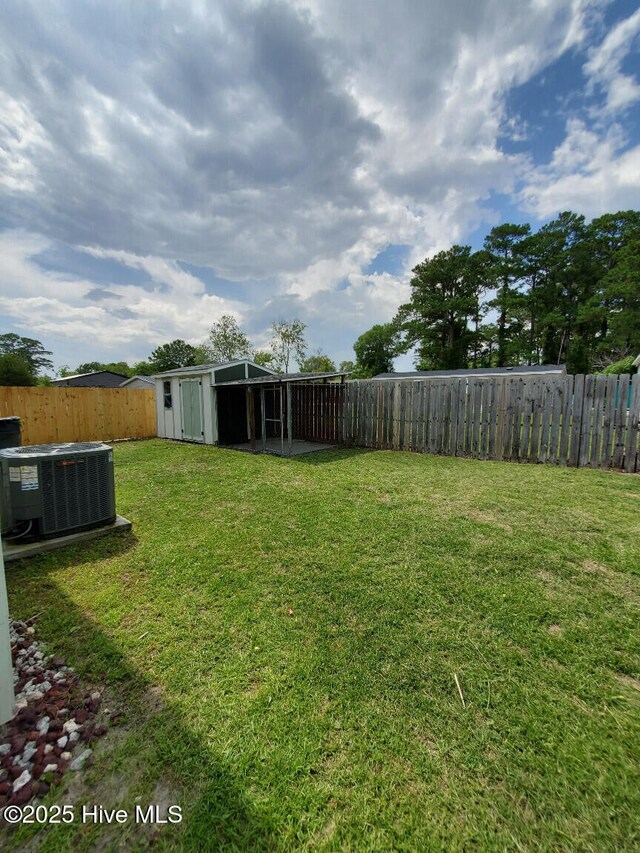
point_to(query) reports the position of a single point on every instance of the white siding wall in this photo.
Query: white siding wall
(206, 410)
(169, 420)
(214, 414)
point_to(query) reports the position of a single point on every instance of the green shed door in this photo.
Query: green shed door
(192, 415)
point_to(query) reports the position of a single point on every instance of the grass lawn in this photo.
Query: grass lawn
(283, 637)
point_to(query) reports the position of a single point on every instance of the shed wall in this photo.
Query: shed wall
(253, 371)
(228, 374)
(169, 420)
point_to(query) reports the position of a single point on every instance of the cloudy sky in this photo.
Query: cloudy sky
(164, 163)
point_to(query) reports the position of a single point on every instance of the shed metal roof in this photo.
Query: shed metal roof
(205, 368)
(519, 370)
(280, 379)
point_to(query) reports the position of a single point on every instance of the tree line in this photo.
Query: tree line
(568, 293)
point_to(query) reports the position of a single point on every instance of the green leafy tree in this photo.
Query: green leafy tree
(608, 236)
(142, 368)
(347, 366)
(625, 365)
(288, 342)
(227, 341)
(263, 357)
(14, 370)
(375, 350)
(574, 288)
(610, 233)
(170, 356)
(485, 345)
(318, 363)
(537, 252)
(444, 302)
(621, 293)
(202, 354)
(504, 269)
(96, 366)
(89, 367)
(29, 350)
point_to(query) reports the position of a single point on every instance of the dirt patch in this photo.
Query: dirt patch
(429, 745)
(487, 518)
(327, 832)
(598, 568)
(621, 584)
(556, 630)
(557, 588)
(153, 700)
(628, 681)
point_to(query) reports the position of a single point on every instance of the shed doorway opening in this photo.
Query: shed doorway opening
(233, 414)
(262, 413)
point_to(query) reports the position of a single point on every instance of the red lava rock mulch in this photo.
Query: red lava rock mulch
(54, 724)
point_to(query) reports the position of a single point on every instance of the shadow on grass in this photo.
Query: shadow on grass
(334, 454)
(74, 555)
(216, 813)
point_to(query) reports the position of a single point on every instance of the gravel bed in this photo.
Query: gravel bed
(54, 724)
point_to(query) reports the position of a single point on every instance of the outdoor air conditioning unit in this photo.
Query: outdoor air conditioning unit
(52, 489)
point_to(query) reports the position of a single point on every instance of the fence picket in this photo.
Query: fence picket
(556, 413)
(631, 461)
(586, 422)
(620, 421)
(516, 440)
(576, 419)
(599, 388)
(545, 423)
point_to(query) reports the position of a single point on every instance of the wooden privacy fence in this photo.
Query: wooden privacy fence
(51, 415)
(317, 412)
(567, 420)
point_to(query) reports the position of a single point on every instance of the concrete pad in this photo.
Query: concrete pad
(274, 446)
(43, 546)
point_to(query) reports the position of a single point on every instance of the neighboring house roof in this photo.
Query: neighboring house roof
(140, 381)
(205, 368)
(97, 379)
(520, 370)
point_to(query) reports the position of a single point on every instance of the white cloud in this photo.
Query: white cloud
(22, 142)
(589, 172)
(603, 68)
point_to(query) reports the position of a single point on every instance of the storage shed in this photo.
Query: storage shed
(187, 402)
(237, 404)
